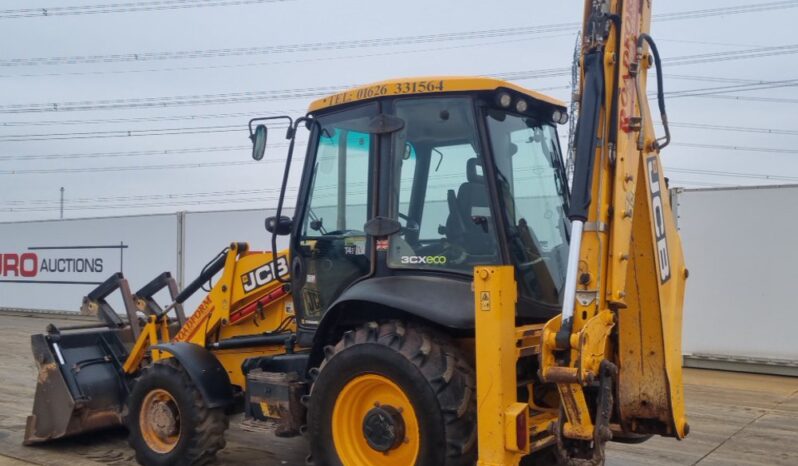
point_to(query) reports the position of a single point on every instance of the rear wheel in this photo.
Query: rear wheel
(393, 395)
(168, 420)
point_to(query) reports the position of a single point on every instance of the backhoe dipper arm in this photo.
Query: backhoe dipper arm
(623, 294)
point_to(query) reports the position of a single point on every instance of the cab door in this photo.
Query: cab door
(331, 249)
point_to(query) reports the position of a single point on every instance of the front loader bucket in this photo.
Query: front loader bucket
(80, 385)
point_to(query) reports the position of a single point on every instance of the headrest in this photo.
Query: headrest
(474, 174)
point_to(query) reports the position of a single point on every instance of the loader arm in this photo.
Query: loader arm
(625, 281)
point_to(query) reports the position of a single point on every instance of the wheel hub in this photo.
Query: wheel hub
(159, 421)
(384, 428)
(164, 418)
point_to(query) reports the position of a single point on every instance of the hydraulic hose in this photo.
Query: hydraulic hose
(207, 273)
(660, 143)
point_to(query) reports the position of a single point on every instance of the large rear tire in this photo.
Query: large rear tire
(168, 420)
(393, 395)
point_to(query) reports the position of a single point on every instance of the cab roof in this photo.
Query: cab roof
(424, 85)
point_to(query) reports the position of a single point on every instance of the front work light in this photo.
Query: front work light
(504, 99)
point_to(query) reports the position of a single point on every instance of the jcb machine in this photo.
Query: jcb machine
(445, 298)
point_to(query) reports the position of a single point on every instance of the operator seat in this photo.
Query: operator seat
(474, 208)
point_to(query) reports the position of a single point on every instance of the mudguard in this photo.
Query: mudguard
(205, 371)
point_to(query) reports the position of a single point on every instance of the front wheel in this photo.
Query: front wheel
(168, 420)
(393, 395)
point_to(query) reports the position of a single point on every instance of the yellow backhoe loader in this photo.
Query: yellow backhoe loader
(445, 298)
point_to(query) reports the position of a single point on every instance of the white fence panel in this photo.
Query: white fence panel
(51, 265)
(739, 248)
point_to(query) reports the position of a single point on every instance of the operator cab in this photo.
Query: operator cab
(409, 184)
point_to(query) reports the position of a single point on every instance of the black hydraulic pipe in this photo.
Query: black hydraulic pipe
(586, 135)
(660, 90)
(212, 269)
(250, 341)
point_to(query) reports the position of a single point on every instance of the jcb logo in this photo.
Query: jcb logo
(659, 219)
(435, 260)
(264, 275)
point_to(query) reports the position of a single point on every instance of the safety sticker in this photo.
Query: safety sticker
(355, 246)
(484, 300)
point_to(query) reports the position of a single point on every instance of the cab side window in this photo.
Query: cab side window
(333, 248)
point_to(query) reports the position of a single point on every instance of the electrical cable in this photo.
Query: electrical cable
(376, 42)
(129, 7)
(250, 96)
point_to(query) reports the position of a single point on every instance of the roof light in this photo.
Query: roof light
(504, 99)
(521, 106)
(559, 117)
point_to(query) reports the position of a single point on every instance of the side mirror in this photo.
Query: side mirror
(281, 227)
(258, 139)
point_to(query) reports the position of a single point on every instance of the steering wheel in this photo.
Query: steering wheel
(411, 226)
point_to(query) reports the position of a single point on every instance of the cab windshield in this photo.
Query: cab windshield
(533, 191)
(440, 196)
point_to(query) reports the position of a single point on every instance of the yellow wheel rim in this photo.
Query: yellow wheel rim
(364, 401)
(159, 421)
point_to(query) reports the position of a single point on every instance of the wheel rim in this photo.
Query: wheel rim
(374, 423)
(159, 421)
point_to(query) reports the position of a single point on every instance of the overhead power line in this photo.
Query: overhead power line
(716, 79)
(123, 133)
(128, 7)
(91, 155)
(174, 101)
(735, 129)
(733, 55)
(251, 96)
(140, 57)
(294, 59)
(146, 197)
(376, 42)
(733, 88)
(149, 119)
(173, 166)
(775, 100)
(289, 111)
(240, 127)
(171, 203)
(727, 147)
(199, 198)
(762, 176)
(727, 10)
(298, 150)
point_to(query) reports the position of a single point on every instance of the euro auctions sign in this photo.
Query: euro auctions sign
(78, 265)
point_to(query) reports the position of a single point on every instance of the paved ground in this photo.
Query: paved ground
(735, 419)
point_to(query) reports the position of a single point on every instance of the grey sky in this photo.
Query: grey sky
(286, 23)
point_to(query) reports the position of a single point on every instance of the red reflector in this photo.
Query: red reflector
(521, 431)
